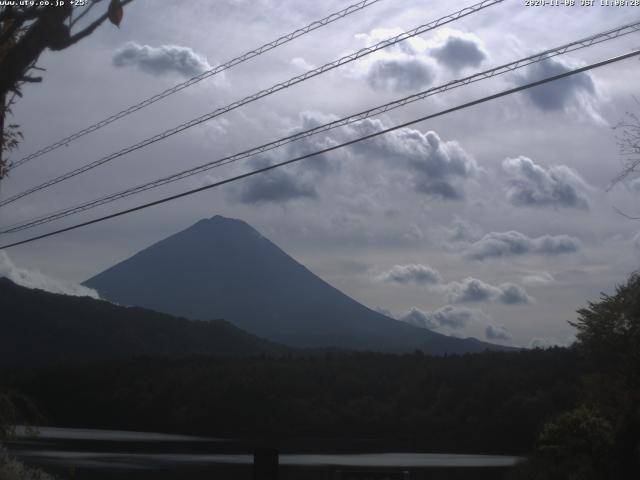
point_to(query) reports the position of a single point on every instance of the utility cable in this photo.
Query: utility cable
(198, 78)
(503, 69)
(330, 149)
(263, 93)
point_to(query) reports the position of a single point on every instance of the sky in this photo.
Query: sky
(496, 221)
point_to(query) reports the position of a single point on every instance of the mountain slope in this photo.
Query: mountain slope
(40, 328)
(223, 268)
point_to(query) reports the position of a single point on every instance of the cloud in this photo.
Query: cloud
(448, 316)
(636, 243)
(411, 274)
(512, 243)
(427, 163)
(384, 311)
(161, 60)
(398, 68)
(550, 342)
(530, 185)
(400, 74)
(560, 94)
(538, 278)
(438, 167)
(494, 332)
(301, 64)
(459, 50)
(275, 186)
(462, 231)
(31, 279)
(474, 290)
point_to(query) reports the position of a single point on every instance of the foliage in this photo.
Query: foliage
(12, 406)
(26, 30)
(629, 144)
(11, 469)
(7, 416)
(609, 339)
(600, 439)
(609, 333)
(41, 328)
(490, 402)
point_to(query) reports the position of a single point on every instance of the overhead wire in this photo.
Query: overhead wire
(372, 112)
(256, 96)
(332, 148)
(198, 78)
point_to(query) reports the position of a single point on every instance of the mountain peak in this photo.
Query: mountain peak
(223, 268)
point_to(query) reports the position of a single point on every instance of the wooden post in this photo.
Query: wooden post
(265, 463)
(2, 115)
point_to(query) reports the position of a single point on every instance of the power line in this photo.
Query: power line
(263, 93)
(198, 78)
(509, 67)
(330, 149)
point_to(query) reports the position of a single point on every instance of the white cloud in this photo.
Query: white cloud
(384, 311)
(37, 280)
(496, 332)
(550, 342)
(161, 60)
(302, 64)
(538, 278)
(512, 243)
(400, 68)
(474, 290)
(411, 274)
(449, 316)
(530, 185)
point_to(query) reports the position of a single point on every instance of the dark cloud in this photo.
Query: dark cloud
(458, 52)
(411, 274)
(400, 74)
(161, 60)
(448, 316)
(493, 332)
(463, 231)
(440, 189)
(512, 243)
(474, 290)
(275, 186)
(531, 185)
(559, 94)
(438, 167)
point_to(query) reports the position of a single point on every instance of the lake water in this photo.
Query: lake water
(98, 454)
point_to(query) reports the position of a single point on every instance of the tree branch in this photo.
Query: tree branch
(619, 212)
(90, 28)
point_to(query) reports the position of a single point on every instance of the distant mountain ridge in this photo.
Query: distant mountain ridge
(39, 328)
(224, 268)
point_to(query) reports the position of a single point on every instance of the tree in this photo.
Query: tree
(609, 334)
(609, 339)
(575, 445)
(629, 143)
(28, 30)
